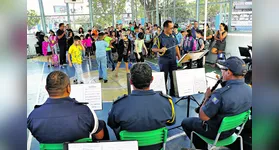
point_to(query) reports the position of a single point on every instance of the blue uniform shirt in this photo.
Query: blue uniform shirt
(168, 42)
(234, 98)
(60, 120)
(141, 111)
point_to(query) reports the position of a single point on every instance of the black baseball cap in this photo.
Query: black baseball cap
(236, 65)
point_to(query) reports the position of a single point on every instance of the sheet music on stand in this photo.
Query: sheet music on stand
(158, 83)
(90, 93)
(195, 55)
(114, 145)
(189, 81)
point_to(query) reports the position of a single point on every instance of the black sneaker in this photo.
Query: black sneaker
(105, 81)
(113, 68)
(81, 82)
(100, 78)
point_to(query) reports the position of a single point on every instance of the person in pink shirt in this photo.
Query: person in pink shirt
(88, 45)
(83, 42)
(53, 41)
(47, 50)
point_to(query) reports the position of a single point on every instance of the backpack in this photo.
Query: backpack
(191, 44)
(55, 60)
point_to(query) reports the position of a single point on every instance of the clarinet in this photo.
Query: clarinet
(212, 89)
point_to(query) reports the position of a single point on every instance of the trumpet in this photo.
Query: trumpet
(212, 89)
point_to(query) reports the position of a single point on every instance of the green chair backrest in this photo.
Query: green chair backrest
(232, 122)
(146, 138)
(59, 146)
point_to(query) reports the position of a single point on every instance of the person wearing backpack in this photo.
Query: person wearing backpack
(191, 44)
(200, 46)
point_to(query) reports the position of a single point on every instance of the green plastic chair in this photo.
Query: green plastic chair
(228, 123)
(59, 146)
(146, 138)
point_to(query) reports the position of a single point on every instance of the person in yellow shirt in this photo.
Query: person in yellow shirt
(109, 40)
(75, 52)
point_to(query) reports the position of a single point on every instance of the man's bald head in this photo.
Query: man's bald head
(58, 84)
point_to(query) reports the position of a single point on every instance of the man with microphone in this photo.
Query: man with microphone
(168, 46)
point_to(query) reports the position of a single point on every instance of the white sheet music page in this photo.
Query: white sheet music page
(90, 93)
(93, 95)
(77, 92)
(158, 83)
(184, 82)
(199, 80)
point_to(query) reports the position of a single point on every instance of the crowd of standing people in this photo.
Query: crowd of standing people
(130, 44)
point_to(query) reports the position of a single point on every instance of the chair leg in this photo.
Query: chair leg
(212, 148)
(164, 146)
(241, 142)
(191, 139)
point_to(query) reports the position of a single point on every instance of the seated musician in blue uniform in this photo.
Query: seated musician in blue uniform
(61, 118)
(142, 110)
(233, 98)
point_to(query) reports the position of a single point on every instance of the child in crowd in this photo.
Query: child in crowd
(53, 41)
(200, 41)
(139, 44)
(47, 50)
(132, 54)
(148, 40)
(200, 46)
(75, 52)
(183, 41)
(101, 57)
(88, 45)
(124, 48)
(83, 42)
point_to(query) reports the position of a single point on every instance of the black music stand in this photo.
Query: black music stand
(189, 98)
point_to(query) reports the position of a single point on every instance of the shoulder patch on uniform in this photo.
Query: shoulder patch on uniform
(215, 100)
(119, 98)
(165, 95)
(37, 106)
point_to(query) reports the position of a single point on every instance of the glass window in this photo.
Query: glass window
(52, 22)
(242, 16)
(186, 15)
(33, 5)
(54, 7)
(80, 21)
(216, 14)
(33, 25)
(79, 8)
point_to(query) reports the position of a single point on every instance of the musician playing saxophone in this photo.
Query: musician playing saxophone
(167, 47)
(233, 98)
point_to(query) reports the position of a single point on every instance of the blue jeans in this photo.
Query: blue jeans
(102, 67)
(109, 59)
(78, 72)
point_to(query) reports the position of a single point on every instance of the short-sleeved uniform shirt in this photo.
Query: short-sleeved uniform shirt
(108, 39)
(168, 42)
(101, 48)
(140, 111)
(61, 41)
(232, 99)
(209, 32)
(60, 120)
(76, 54)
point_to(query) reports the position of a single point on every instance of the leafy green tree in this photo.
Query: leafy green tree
(33, 19)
